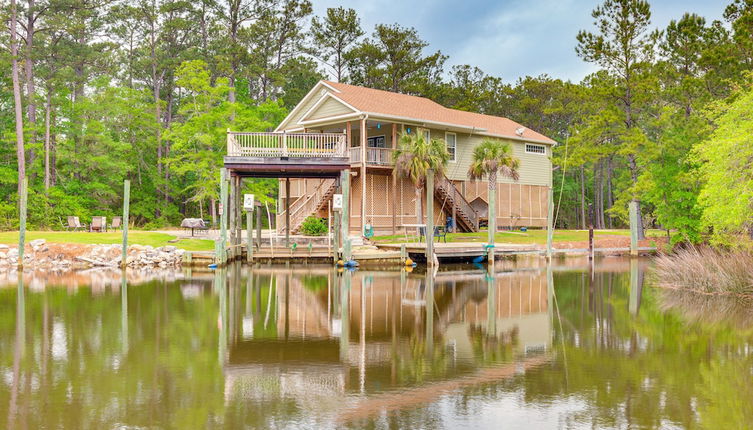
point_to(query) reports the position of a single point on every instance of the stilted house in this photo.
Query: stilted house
(372, 122)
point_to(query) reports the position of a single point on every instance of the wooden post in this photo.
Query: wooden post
(238, 217)
(590, 231)
(403, 253)
(430, 218)
(287, 212)
(345, 224)
(258, 225)
(395, 182)
(250, 236)
(222, 258)
(126, 203)
(336, 234)
(364, 133)
(454, 205)
(230, 211)
(492, 223)
(394, 205)
(22, 222)
(549, 224)
(633, 208)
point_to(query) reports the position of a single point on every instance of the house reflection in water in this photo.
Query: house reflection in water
(330, 341)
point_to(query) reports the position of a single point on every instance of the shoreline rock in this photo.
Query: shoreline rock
(38, 254)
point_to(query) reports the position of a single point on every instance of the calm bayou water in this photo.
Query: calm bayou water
(530, 346)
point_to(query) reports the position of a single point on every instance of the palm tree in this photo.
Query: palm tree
(491, 158)
(416, 158)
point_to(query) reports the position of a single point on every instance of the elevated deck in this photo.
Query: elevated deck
(286, 155)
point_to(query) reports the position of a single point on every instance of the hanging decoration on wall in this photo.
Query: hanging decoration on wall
(379, 125)
(407, 130)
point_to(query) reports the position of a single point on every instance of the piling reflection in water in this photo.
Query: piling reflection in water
(377, 333)
(526, 343)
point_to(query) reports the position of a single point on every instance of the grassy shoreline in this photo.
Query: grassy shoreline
(135, 237)
(531, 237)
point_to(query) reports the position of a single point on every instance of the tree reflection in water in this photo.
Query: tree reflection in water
(316, 347)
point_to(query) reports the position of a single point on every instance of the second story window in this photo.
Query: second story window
(452, 144)
(535, 149)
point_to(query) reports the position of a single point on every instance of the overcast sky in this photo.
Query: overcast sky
(508, 38)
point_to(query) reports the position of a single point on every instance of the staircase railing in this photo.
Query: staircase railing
(306, 205)
(457, 199)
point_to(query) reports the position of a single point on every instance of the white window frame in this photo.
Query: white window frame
(427, 134)
(535, 152)
(455, 147)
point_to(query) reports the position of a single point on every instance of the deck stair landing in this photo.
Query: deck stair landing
(466, 218)
(308, 205)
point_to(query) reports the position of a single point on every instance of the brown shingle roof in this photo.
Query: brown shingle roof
(422, 109)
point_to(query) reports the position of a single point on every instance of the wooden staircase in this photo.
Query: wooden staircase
(466, 218)
(308, 205)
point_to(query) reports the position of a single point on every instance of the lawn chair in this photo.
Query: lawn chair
(99, 224)
(116, 223)
(74, 224)
(440, 233)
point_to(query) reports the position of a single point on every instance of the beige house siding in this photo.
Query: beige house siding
(329, 108)
(304, 108)
(535, 169)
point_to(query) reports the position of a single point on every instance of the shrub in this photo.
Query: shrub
(314, 226)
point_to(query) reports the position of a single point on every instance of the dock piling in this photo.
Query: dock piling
(126, 208)
(22, 222)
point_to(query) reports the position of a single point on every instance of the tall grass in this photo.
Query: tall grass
(707, 271)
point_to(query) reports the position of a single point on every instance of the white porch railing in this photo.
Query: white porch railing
(300, 145)
(377, 156)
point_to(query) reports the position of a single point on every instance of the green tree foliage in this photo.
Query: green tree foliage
(333, 36)
(726, 197)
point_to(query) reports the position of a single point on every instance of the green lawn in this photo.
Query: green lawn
(529, 237)
(134, 238)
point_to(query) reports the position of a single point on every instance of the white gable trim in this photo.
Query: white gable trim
(331, 119)
(319, 102)
(301, 103)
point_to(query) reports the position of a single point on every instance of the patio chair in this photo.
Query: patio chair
(74, 224)
(116, 223)
(99, 224)
(440, 233)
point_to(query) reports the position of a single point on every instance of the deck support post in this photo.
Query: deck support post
(549, 224)
(363, 136)
(124, 225)
(590, 231)
(492, 221)
(345, 217)
(238, 215)
(287, 212)
(222, 241)
(395, 181)
(633, 208)
(231, 217)
(430, 218)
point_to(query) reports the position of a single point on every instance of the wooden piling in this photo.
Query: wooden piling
(492, 223)
(287, 212)
(590, 232)
(249, 236)
(550, 224)
(345, 223)
(633, 209)
(22, 222)
(430, 218)
(124, 222)
(231, 217)
(222, 245)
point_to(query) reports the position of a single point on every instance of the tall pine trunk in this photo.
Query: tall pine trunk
(47, 109)
(17, 98)
(29, 71)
